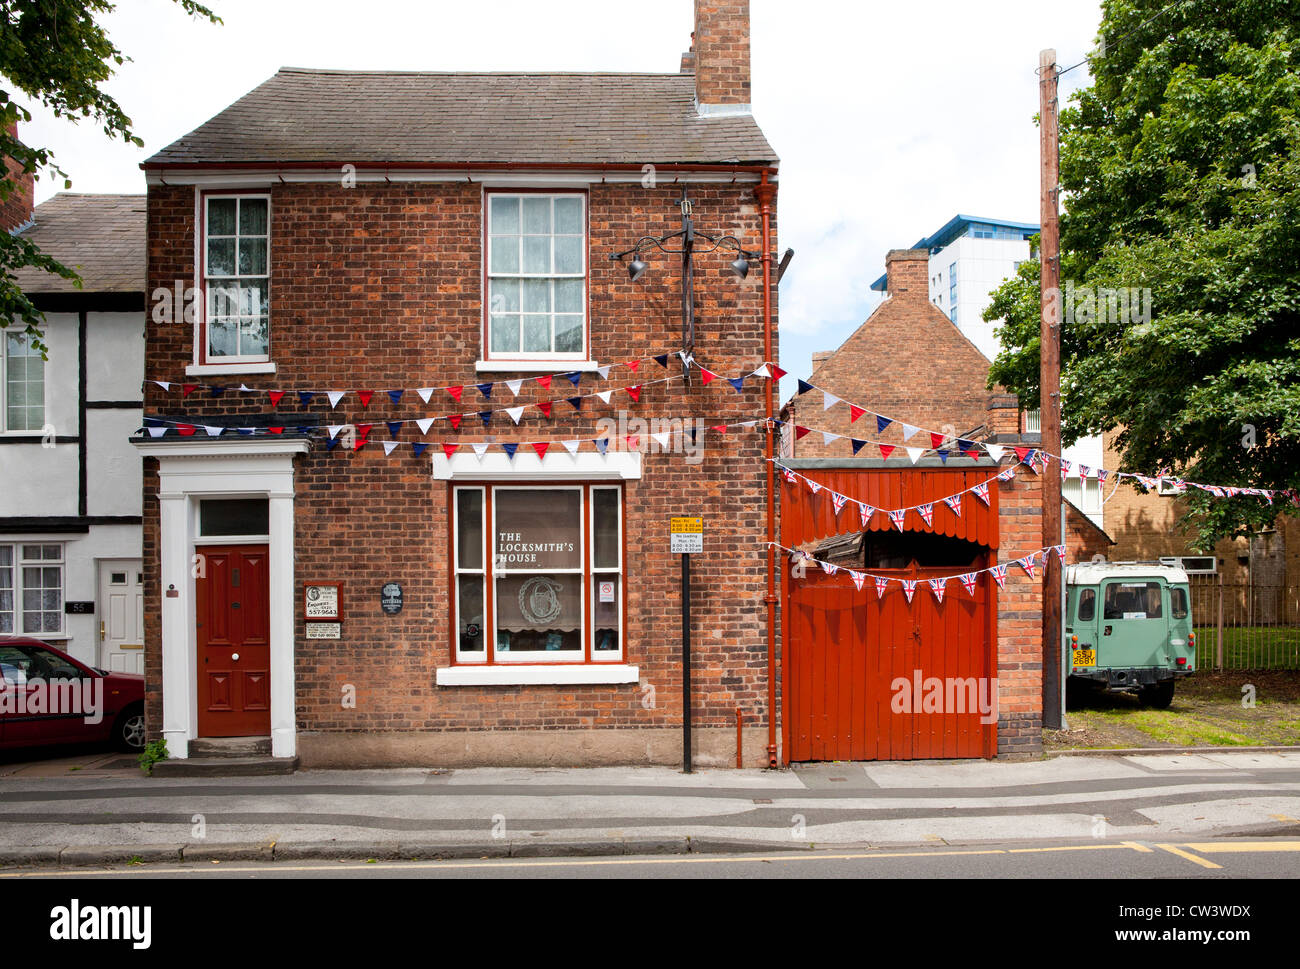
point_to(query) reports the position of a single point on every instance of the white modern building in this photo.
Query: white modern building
(70, 481)
(970, 257)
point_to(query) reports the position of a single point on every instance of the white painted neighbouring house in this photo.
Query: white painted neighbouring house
(70, 482)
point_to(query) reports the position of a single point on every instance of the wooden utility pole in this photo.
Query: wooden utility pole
(1050, 383)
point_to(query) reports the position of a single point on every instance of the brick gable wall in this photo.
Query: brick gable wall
(906, 361)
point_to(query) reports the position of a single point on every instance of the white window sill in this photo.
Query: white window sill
(562, 466)
(537, 675)
(233, 369)
(537, 366)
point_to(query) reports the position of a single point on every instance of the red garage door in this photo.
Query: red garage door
(871, 677)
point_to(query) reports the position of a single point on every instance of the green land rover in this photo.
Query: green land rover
(1128, 628)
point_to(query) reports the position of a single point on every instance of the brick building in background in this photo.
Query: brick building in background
(909, 363)
(1260, 575)
(376, 231)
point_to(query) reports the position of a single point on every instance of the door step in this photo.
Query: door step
(231, 747)
(226, 766)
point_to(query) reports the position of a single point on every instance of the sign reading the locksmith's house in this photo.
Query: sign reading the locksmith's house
(539, 569)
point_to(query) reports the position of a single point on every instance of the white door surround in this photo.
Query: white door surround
(187, 472)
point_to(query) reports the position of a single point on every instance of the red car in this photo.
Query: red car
(47, 697)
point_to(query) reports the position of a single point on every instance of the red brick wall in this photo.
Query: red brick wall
(722, 51)
(1083, 539)
(17, 208)
(1020, 618)
(379, 287)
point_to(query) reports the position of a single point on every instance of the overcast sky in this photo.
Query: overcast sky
(889, 118)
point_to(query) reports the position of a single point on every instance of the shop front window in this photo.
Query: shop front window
(538, 574)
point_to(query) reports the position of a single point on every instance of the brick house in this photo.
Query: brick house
(449, 235)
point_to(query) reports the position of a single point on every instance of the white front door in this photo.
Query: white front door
(121, 616)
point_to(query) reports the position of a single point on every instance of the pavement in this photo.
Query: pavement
(100, 810)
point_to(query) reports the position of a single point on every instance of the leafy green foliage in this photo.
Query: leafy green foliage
(57, 54)
(1180, 166)
(153, 752)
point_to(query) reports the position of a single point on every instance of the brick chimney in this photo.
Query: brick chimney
(16, 210)
(907, 274)
(721, 56)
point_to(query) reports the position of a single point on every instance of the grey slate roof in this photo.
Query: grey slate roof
(100, 236)
(417, 118)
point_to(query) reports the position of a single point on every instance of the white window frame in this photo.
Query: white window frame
(18, 562)
(206, 360)
(477, 657)
(488, 354)
(586, 572)
(616, 572)
(5, 428)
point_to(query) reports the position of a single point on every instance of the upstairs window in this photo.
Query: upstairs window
(22, 380)
(237, 278)
(536, 291)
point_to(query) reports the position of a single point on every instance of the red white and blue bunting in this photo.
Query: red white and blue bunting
(938, 585)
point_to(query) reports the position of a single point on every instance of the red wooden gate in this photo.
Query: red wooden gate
(871, 678)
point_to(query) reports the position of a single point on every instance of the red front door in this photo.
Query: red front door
(233, 623)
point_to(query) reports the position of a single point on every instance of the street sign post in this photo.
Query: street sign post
(686, 538)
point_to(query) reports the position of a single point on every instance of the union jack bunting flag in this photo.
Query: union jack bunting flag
(968, 580)
(866, 511)
(858, 578)
(999, 575)
(838, 500)
(909, 587)
(1027, 563)
(937, 586)
(955, 504)
(926, 511)
(897, 517)
(982, 491)
(880, 586)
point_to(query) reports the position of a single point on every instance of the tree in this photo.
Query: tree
(57, 54)
(1180, 166)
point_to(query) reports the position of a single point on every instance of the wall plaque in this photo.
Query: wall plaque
(323, 600)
